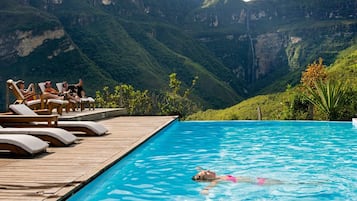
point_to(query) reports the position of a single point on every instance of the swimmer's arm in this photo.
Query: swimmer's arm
(207, 188)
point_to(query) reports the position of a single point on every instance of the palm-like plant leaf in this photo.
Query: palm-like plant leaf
(326, 96)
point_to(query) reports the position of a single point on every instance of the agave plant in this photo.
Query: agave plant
(326, 96)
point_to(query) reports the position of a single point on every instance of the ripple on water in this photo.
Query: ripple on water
(314, 160)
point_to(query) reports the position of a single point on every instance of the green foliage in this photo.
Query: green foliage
(119, 43)
(177, 52)
(173, 102)
(294, 105)
(349, 105)
(135, 101)
(327, 97)
(177, 102)
(271, 107)
(107, 45)
(345, 67)
(291, 104)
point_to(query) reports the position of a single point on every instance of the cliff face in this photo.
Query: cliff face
(237, 48)
(275, 36)
(268, 47)
(68, 39)
(22, 43)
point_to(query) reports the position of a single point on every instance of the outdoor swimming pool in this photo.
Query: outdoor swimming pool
(316, 160)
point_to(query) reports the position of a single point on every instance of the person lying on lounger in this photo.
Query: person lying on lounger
(28, 93)
(51, 92)
(214, 179)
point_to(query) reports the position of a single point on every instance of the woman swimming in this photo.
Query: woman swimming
(210, 176)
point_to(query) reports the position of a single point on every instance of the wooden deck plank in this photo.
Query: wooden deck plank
(67, 167)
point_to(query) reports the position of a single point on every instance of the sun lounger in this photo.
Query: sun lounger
(20, 98)
(89, 102)
(38, 103)
(25, 145)
(73, 102)
(9, 119)
(88, 127)
(55, 136)
(83, 102)
(51, 102)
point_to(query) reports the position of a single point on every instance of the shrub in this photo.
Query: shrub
(171, 102)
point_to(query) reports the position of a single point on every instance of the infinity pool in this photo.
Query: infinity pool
(315, 160)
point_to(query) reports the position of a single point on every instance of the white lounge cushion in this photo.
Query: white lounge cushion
(96, 128)
(87, 99)
(33, 102)
(59, 86)
(30, 144)
(42, 86)
(22, 109)
(57, 101)
(62, 135)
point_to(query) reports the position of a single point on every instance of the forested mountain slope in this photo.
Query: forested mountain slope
(237, 49)
(276, 105)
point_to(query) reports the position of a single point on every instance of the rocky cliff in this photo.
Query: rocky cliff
(275, 36)
(237, 48)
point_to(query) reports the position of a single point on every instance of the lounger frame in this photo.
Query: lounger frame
(25, 120)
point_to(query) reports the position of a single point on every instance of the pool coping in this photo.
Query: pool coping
(61, 171)
(85, 179)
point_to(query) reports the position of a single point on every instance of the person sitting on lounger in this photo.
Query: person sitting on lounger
(78, 89)
(214, 179)
(28, 93)
(69, 92)
(83, 99)
(51, 92)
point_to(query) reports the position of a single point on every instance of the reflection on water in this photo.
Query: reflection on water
(315, 160)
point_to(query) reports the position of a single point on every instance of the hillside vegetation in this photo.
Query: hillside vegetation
(277, 106)
(236, 49)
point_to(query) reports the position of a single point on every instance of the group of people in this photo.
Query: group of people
(69, 92)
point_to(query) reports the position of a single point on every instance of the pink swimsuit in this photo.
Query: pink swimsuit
(260, 181)
(231, 178)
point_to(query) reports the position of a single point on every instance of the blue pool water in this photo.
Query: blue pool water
(315, 160)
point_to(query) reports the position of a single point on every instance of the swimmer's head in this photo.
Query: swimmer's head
(204, 175)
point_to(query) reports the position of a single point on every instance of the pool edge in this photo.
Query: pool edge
(85, 179)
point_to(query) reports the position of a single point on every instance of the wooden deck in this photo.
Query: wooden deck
(55, 174)
(93, 115)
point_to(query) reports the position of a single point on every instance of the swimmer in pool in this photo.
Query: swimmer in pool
(210, 176)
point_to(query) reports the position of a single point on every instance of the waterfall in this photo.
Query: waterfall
(253, 66)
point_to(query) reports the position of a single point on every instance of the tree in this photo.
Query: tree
(314, 72)
(171, 102)
(327, 97)
(135, 101)
(174, 102)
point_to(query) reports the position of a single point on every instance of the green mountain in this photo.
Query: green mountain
(237, 49)
(273, 106)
